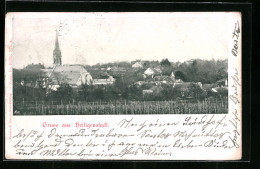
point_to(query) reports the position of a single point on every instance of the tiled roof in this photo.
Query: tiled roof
(179, 81)
(69, 74)
(137, 64)
(65, 77)
(153, 71)
(69, 68)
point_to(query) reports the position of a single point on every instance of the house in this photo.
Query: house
(109, 81)
(137, 65)
(163, 79)
(209, 87)
(179, 81)
(102, 75)
(109, 68)
(116, 71)
(222, 82)
(149, 72)
(147, 92)
(152, 71)
(140, 83)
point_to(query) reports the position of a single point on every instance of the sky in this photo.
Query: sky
(91, 38)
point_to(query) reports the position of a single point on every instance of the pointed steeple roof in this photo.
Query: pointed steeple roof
(56, 52)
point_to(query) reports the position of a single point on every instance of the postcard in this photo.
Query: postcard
(123, 86)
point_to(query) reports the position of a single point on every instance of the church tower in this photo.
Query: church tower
(57, 53)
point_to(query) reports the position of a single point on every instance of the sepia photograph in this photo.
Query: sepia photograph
(123, 86)
(120, 63)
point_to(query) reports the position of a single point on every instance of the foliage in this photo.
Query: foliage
(28, 93)
(25, 75)
(180, 75)
(203, 71)
(64, 93)
(165, 63)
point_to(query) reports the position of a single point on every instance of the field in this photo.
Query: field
(207, 106)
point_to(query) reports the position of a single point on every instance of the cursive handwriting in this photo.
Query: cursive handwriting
(234, 97)
(132, 137)
(235, 37)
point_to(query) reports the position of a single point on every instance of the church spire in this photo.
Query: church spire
(57, 52)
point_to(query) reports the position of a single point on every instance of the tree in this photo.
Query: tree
(196, 92)
(180, 75)
(63, 93)
(165, 62)
(221, 73)
(98, 94)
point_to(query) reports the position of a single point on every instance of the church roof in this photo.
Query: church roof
(70, 78)
(70, 68)
(69, 74)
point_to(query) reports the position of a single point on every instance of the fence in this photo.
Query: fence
(207, 106)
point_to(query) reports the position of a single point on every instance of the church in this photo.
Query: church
(73, 75)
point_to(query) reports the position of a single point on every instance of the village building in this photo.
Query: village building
(162, 78)
(209, 87)
(137, 65)
(179, 81)
(165, 79)
(147, 92)
(108, 69)
(222, 82)
(117, 71)
(101, 75)
(152, 72)
(140, 83)
(109, 81)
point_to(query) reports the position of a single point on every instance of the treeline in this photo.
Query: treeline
(204, 71)
(28, 74)
(115, 92)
